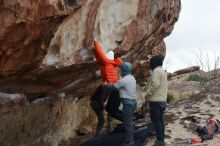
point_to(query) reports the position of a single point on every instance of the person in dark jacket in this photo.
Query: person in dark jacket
(156, 95)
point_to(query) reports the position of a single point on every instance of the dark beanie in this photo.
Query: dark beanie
(156, 61)
(126, 68)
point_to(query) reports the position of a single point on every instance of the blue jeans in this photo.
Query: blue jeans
(126, 116)
(129, 107)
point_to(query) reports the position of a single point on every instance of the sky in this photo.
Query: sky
(196, 32)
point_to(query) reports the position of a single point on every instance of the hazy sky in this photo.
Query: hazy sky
(198, 28)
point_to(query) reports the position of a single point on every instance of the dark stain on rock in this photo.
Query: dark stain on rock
(71, 2)
(163, 17)
(1, 4)
(169, 17)
(60, 6)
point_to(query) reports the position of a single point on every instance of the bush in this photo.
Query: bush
(197, 78)
(175, 96)
(218, 83)
(170, 98)
(204, 82)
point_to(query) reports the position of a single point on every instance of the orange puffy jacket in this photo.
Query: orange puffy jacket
(108, 69)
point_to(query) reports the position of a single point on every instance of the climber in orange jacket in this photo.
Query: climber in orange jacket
(109, 75)
(109, 64)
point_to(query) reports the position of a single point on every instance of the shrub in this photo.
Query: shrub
(197, 78)
(170, 98)
(204, 82)
(174, 96)
(218, 84)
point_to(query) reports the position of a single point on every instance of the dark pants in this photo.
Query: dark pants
(97, 107)
(156, 113)
(101, 95)
(112, 106)
(97, 103)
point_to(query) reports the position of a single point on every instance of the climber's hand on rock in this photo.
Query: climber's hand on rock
(94, 41)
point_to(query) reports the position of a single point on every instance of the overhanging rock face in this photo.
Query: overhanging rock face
(46, 45)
